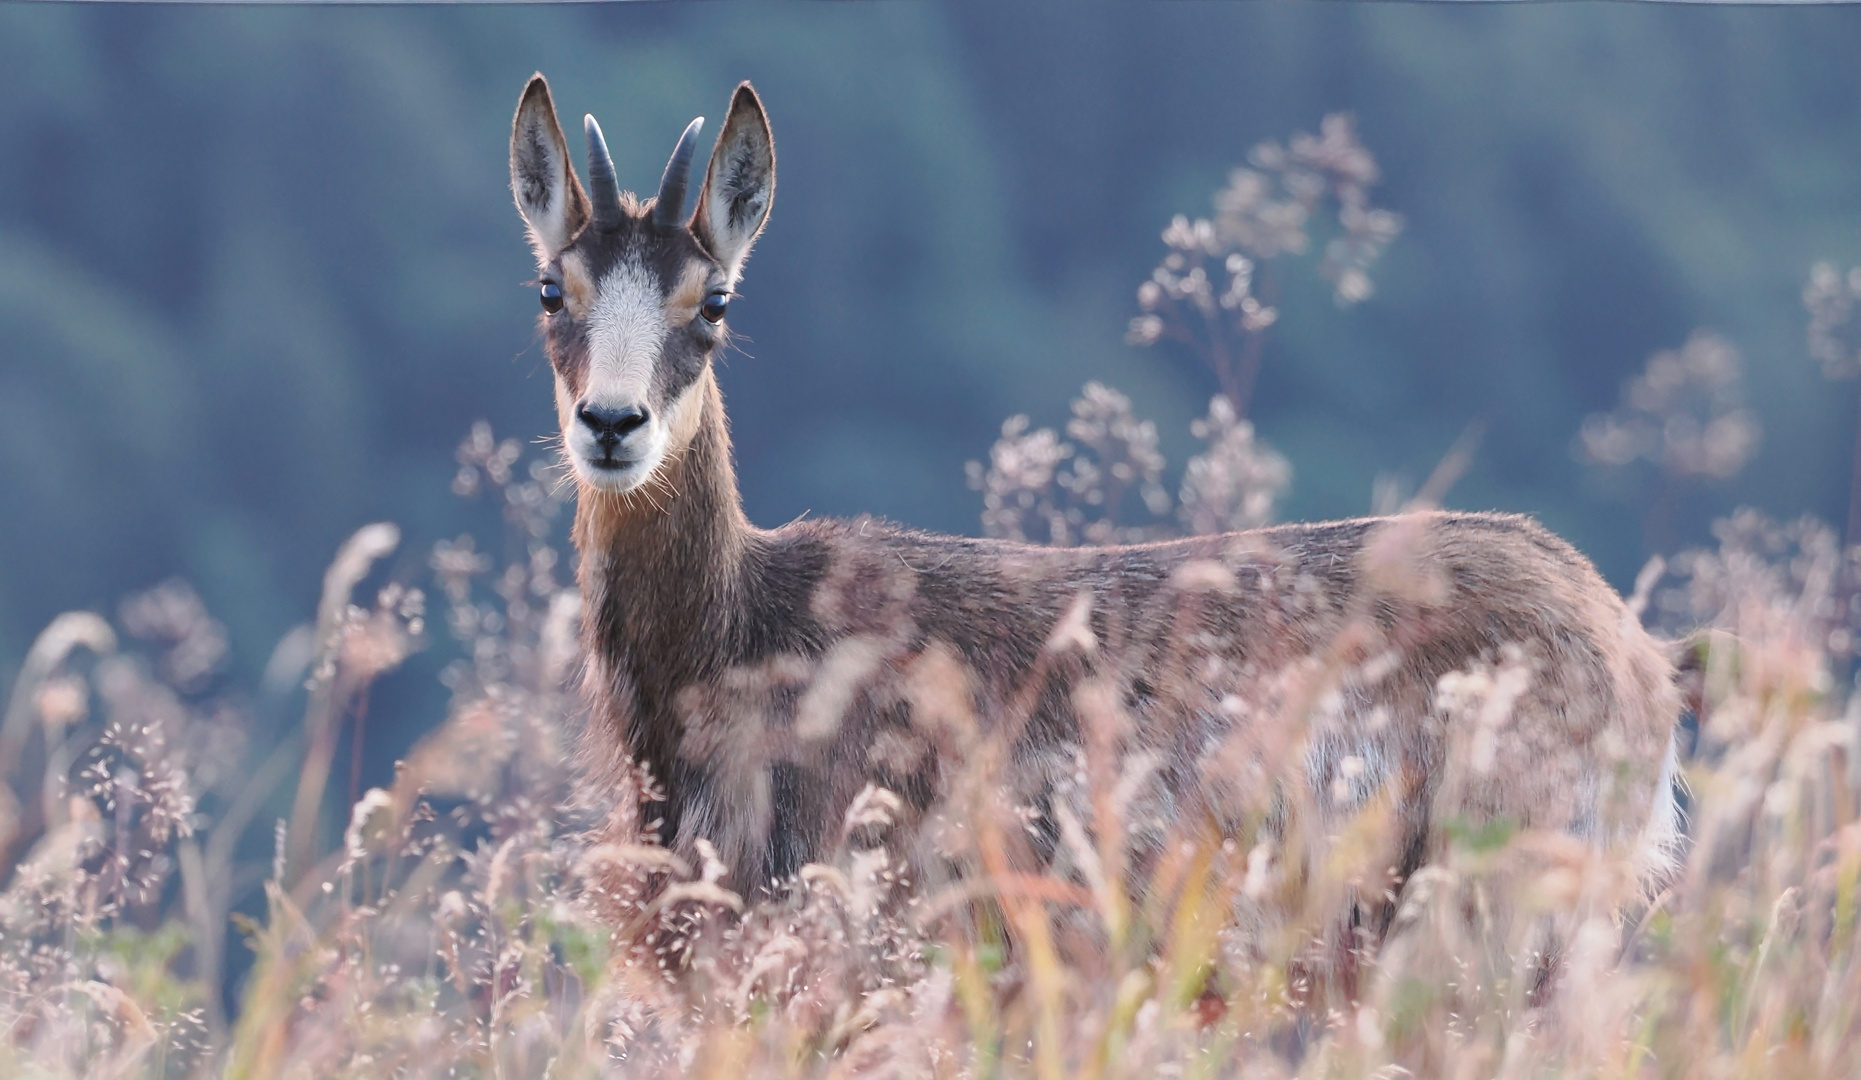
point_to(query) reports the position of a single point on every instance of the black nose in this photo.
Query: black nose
(611, 425)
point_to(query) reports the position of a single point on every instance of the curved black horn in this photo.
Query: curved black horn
(671, 205)
(603, 189)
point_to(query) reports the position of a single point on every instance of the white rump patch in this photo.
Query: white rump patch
(1657, 855)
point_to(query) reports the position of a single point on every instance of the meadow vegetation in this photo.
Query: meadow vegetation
(490, 914)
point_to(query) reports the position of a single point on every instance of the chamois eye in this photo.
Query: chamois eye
(714, 305)
(552, 297)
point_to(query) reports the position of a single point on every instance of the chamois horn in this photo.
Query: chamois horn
(603, 189)
(671, 205)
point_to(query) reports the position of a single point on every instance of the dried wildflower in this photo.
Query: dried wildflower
(1123, 458)
(482, 457)
(119, 807)
(1834, 333)
(531, 505)
(1205, 294)
(1017, 487)
(1766, 572)
(1040, 488)
(368, 818)
(1233, 484)
(1684, 413)
(172, 615)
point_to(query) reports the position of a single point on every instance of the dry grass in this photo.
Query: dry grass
(488, 915)
(483, 916)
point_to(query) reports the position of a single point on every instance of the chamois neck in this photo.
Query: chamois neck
(651, 554)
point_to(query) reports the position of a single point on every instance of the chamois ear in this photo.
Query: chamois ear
(549, 196)
(738, 185)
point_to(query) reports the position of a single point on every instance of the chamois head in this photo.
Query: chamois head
(634, 294)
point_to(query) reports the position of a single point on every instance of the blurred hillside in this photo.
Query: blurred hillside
(259, 268)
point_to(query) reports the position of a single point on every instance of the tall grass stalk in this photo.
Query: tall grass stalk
(487, 915)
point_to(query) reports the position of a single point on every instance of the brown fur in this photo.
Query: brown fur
(766, 676)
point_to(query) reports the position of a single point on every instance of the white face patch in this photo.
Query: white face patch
(626, 335)
(626, 331)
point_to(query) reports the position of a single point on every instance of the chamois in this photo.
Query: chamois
(765, 677)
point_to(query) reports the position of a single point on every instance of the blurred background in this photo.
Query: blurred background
(260, 270)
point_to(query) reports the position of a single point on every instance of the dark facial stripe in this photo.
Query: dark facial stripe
(667, 255)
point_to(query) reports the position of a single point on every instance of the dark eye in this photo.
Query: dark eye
(714, 305)
(552, 297)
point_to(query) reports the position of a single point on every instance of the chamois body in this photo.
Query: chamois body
(765, 677)
(706, 635)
